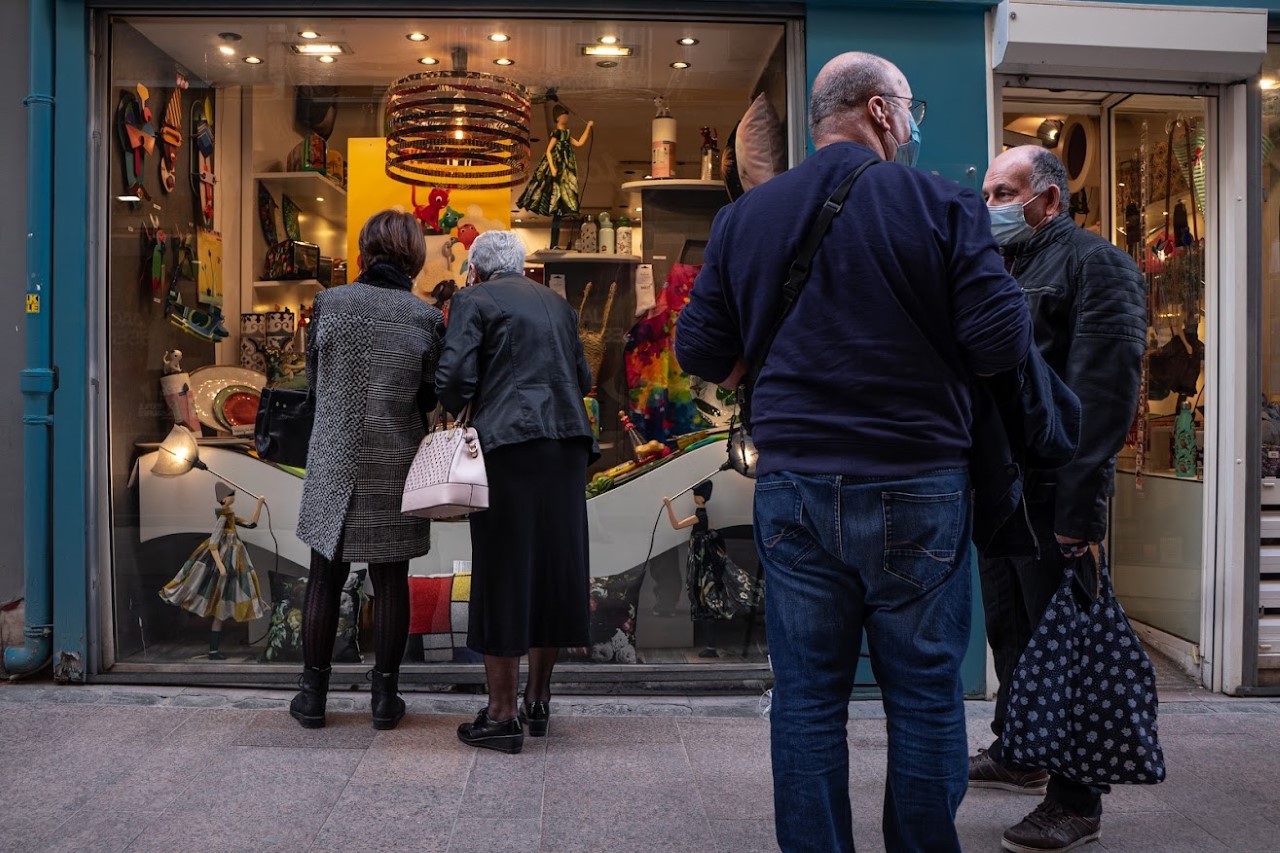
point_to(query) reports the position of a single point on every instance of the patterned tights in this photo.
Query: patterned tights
(324, 599)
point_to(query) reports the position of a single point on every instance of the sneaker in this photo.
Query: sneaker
(986, 772)
(1051, 828)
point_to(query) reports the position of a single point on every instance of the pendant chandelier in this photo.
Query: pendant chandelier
(458, 129)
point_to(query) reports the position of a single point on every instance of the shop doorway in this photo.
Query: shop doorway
(1141, 171)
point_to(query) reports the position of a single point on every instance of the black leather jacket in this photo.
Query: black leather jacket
(512, 350)
(1088, 304)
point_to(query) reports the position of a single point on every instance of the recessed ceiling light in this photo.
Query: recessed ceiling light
(228, 36)
(680, 65)
(519, 220)
(329, 60)
(429, 60)
(639, 209)
(608, 63)
(309, 34)
(253, 60)
(499, 37)
(416, 36)
(687, 41)
(226, 50)
(132, 199)
(319, 198)
(315, 49)
(608, 39)
(606, 50)
(504, 61)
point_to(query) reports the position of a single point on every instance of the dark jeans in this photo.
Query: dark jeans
(843, 554)
(1016, 589)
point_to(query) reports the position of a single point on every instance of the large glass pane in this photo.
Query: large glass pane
(1269, 375)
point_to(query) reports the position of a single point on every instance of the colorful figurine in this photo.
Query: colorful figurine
(553, 189)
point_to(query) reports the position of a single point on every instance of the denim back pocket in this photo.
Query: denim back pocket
(781, 535)
(922, 535)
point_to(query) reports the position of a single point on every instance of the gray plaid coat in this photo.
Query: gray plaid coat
(371, 359)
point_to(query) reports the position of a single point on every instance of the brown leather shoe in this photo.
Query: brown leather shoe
(986, 772)
(1051, 828)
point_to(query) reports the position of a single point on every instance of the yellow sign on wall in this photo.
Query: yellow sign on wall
(450, 219)
(33, 303)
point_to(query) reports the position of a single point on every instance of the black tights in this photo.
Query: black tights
(324, 599)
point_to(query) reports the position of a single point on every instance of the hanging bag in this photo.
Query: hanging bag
(447, 478)
(742, 449)
(1083, 703)
(282, 432)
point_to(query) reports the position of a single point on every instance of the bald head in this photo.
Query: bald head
(1024, 173)
(847, 102)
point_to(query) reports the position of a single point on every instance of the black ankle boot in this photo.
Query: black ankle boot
(387, 706)
(307, 706)
(537, 716)
(215, 640)
(504, 736)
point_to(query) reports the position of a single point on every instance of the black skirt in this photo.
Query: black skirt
(529, 565)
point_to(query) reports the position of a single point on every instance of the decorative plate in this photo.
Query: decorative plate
(208, 382)
(228, 407)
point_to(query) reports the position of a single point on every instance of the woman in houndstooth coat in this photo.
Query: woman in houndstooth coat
(371, 359)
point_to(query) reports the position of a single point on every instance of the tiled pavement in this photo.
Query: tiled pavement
(108, 769)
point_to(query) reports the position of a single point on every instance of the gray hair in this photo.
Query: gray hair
(1046, 171)
(845, 83)
(497, 253)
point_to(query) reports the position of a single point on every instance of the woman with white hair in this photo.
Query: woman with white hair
(512, 352)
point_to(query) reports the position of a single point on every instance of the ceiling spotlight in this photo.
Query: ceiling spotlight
(687, 41)
(1268, 83)
(606, 50)
(229, 36)
(607, 63)
(608, 39)
(680, 65)
(499, 37)
(416, 36)
(429, 60)
(504, 61)
(312, 49)
(253, 60)
(328, 60)
(309, 34)
(226, 50)
(319, 198)
(1048, 132)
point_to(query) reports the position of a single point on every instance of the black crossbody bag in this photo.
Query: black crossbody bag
(742, 450)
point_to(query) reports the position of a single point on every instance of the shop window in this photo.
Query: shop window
(244, 157)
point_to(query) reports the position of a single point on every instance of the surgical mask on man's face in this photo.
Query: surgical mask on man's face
(1009, 222)
(907, 153)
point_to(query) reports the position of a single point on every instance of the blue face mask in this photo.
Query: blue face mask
(907, 153)
(1009, 222)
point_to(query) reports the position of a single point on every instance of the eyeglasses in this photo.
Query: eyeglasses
(915, 106)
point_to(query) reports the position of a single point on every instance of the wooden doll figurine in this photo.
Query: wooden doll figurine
(217, 581)
(706, 557)
(553, 189)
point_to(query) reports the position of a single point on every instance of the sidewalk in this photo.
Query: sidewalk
(167, 769)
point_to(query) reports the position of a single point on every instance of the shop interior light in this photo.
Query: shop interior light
(606, 50)
(226, 50)
(320, 198)
(132, 199)
(253, 60)
(607, 63)
(309, 34)
(1049, 131)
(429, 60)
(687, 41)
(179, 453)
(229, 36)
(320, 49)
(416, 36)
(503, 61)
(1269, 83)
(608, 39)
(499, 37)
(327, 59)
(679, 66)
(458, 129)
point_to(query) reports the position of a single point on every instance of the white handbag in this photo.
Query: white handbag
(447, 478)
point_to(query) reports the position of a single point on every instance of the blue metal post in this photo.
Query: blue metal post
(38, 378)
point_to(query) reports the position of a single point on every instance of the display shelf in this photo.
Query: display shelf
(547, 256)
(284, 282)
(306, 189)
(673, 184)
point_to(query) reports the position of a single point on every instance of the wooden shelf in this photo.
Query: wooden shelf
(286, 282)
(674, 184)
(545, 257)
(306, 189)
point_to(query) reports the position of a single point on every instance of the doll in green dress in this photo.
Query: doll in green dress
(553, 189)
(217, 580)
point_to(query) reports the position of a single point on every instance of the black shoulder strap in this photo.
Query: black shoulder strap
(799, 274)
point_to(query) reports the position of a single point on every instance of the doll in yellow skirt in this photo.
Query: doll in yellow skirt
(217, 580)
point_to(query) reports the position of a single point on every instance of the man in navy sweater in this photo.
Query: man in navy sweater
(861, 415)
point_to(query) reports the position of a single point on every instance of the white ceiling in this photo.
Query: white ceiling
(725, 68)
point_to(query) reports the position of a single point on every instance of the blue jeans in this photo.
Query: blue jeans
(843, 555)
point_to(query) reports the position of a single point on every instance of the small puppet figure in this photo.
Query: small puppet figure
(718, 587)
(175, 385)
(217, 581)
(553, 189)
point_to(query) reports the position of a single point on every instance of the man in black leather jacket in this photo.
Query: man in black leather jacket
(1088, 306)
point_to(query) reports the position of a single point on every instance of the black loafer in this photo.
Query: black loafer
(503, 735)
(537, 716)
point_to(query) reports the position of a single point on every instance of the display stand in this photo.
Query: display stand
(677, 220)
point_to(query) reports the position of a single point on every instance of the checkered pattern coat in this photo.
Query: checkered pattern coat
(371, 358)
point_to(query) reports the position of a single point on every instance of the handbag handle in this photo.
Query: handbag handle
(439, 417)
